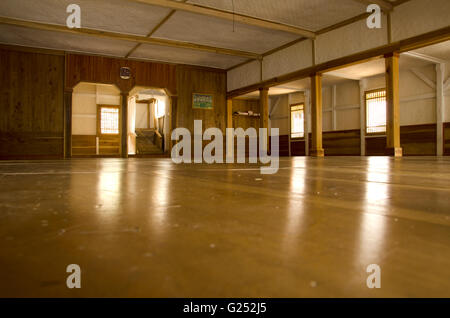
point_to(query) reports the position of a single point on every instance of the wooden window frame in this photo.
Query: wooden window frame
(372, 134)
(99, 119)
(290, 122)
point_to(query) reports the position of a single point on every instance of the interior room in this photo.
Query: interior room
(112, 110)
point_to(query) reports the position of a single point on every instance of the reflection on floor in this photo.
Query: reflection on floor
(150, 228)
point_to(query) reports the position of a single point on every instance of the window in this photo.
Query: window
(108, 120)
(297, 121)
(376, 111)
(160, 108)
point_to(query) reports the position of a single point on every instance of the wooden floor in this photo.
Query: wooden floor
(150, 228)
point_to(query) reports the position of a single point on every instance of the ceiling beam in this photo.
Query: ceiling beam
(425, 57)
(126, 37)
(221, 14)
(384, 5)
(151, 32)
(156, 28)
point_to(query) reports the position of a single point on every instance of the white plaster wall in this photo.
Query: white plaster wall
(327, 121)
(350, 39)
(412, 112)
(279, 115)
(419, 16)
(84, 114)
(295, 57)
(85, 98)
(142, 115)
(297, 98)
(347, 95)
(244, 75)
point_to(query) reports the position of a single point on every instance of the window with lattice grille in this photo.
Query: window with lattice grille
(297, 121)
(376, 111)
(109, 120)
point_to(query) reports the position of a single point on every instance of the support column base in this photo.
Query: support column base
(317, 153)
(394, 152)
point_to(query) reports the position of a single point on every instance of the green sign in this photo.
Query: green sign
(202, 101)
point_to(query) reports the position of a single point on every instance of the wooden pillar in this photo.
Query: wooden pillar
(264, 111)
(229, 113)
(307, 120)
(333, 108)
(392, 106)
(173, 119)
(124, 125)
(362, 112)
(316, 116)
(440, 107)
(229, 151)
(68, 123)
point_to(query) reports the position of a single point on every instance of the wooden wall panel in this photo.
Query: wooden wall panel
(109, 145)
(298, 148)
(342, 143)
(284, 146)
(376, 146)
(31, 105)
(335, 143)
(97, 69)
(84, 145)
(194, 80)
(416, 140)
(245, 122)
(446, 139)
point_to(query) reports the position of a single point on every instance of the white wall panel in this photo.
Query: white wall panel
(244, 75)
(350, 39)
(419, 16)
(295, 57)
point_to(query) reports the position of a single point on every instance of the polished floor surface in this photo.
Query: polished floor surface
(150, 228)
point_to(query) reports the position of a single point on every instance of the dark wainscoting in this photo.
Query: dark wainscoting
(297, 148)
(342, 143)
(416, 140)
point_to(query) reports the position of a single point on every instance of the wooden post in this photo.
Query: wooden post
(316, 116)
(229, 154)
(229, 113)
(362, 112)
(173, 119)
(392, 106)
(307, 119)
(68, 123)
(264, 111)
(333, 108)
(124, 125)
(440, 107)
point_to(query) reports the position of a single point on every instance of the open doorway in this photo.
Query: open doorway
(148, 125)
(96, 119)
